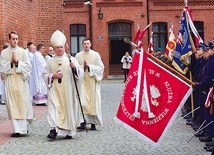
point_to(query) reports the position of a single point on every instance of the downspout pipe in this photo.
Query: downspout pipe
(148, 21)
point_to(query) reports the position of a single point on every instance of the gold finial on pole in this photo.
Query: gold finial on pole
(186, 2)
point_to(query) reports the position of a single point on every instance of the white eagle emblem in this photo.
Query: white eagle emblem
(155, 93)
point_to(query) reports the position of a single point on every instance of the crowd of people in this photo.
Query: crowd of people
(197, 110)
(201, 110)
(69, 86)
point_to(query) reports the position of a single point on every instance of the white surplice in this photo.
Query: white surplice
(18, 103)
(1, 87)
(2, 94)
(39, 89)
(31, 80)
(91, 95)
(63, 104)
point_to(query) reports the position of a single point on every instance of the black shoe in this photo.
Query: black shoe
(189, 123)
(209, 149)
(81, 127)
(93, 127)
(15, 135)
(184, 111)
(196, 127)
(52, 135)
(68, 137)
(200, 134)
(206, 138)
(210, 143)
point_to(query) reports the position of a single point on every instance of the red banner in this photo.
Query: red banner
(161, 96)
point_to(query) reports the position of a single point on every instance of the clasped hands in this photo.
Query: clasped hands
(14, 58)
(85, 65)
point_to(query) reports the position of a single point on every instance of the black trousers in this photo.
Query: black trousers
(125, 72)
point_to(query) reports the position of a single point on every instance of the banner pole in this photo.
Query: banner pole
(186, 3)
(170, 69)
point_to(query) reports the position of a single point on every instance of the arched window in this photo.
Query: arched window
(77, 34)
(121, 29)
(159, 35)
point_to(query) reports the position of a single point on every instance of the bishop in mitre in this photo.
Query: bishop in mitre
(15, 68)
(63, 107)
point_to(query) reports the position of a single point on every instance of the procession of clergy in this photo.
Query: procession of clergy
(69, 86)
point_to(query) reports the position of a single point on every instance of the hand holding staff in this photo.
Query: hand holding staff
(73, 68)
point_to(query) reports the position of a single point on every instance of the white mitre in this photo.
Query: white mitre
(58, 39)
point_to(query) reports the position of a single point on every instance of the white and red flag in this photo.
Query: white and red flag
(151, 45)
(197, 37)
(137, 36)
(171, 44)
(143, 32)
(151, 99)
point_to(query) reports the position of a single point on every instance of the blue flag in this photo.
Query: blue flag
(183, 48)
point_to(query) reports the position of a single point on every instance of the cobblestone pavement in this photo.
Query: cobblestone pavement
(110, 139)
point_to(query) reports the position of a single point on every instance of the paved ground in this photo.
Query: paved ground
(111, 139)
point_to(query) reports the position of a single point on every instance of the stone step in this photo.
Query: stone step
(115, 77)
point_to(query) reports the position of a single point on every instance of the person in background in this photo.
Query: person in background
(15, 67)
(195, 67)
(159, 54)
(39, 88)
(31, 49)
(126, 60)
(204, 84)
(50, 53)
(2, 94)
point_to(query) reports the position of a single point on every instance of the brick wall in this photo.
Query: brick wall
(1, 25)
(21, 16)
(49, 19)
(34, 20)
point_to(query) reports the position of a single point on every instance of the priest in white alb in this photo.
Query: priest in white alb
(63, 104)
(15, 66)
(31, 49)
(39, 89)
(93, 66)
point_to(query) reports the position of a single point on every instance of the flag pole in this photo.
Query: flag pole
(77, 91)
(171, 69)
(150, 48)
(186, 3)
(192, 96)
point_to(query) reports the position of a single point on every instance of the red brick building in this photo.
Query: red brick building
(36, 20)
